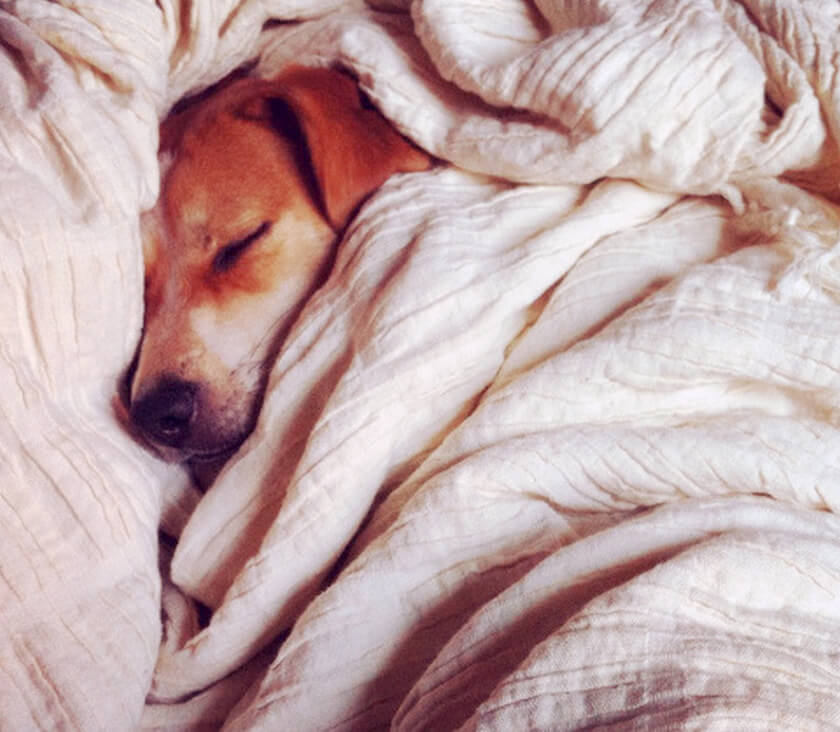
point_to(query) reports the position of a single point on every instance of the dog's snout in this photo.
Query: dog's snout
(166, 413)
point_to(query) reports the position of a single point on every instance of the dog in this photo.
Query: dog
(258, 181)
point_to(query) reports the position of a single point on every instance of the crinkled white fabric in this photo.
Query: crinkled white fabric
(78, 502)
(554, 446)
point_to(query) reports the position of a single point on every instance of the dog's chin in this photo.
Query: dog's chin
(204, 465)
(205, 454)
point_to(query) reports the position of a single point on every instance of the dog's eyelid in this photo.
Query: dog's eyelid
(226, 256)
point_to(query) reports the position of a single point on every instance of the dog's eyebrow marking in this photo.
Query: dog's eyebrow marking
(227, 256)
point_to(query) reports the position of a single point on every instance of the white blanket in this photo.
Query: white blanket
(554, 447)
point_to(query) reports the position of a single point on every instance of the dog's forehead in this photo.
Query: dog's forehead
(215, 186)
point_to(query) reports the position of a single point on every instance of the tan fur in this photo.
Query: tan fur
(234, 180)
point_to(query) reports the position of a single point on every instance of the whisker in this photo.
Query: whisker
(250, 362)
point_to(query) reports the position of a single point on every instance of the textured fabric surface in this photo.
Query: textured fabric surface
(555, 445)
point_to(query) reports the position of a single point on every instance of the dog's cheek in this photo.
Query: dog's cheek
(230, 336)
(152, 294)
(150, 229)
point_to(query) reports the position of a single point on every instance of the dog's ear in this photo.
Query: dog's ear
(352, 148)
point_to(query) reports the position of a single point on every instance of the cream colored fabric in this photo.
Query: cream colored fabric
(555, 445)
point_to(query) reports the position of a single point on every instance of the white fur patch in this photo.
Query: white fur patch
(233, 341)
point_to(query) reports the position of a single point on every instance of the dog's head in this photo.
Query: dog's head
(257, 182)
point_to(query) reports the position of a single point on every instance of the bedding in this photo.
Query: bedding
(554, 447)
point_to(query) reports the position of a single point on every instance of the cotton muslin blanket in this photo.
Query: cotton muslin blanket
(555, 446)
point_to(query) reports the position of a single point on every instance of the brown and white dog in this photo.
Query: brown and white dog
(258, 181)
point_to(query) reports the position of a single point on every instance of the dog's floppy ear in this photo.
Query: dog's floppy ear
(352, 148)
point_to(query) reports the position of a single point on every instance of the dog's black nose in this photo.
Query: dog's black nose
(166, 413)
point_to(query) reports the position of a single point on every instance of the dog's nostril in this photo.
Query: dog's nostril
(166, 413)
(178, 408)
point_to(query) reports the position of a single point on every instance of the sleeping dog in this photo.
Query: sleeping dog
(257, 182)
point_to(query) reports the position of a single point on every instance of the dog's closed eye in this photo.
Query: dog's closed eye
(229, 254)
